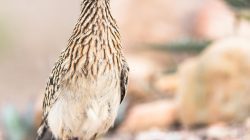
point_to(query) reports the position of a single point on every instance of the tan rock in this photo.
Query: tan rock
(218, 131)
(142, 70)
(153, 22)
(156, 134)
(158, 114)
(207, 23)
(244, 28)
(167, 84)
(247, 123)
(216, 86)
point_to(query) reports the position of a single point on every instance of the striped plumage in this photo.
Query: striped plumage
(88, 81)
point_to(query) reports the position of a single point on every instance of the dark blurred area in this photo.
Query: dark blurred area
(189, 66)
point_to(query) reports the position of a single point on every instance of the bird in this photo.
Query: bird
(89, 81)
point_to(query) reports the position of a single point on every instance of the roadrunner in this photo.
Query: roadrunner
(89, 80)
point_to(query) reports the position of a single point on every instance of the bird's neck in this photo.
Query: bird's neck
(94, 2)
(96, 24)
(95, 39)
(94, 12)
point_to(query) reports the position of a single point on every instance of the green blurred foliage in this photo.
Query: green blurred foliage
(241, 7)
(13, 124)
(239, 4)
(188, 45)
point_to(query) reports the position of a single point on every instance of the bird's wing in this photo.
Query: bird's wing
(52, 89)
(124, 79)
(51, 95)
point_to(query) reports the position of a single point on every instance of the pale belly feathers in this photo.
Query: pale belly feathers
(89, 109)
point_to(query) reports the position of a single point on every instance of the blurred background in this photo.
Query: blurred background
(189, 66)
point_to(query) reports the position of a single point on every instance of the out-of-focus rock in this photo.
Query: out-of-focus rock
(141, 67)
(218, 131)
(158, 114)
(187, 109)
(208, 22)
(246, 137)
(118, 136)
(215, 86)
(154, 22)
(208, 27)
(142, 70)
(159, 135)
(167, 84)
(247, 123)
(244, 28)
